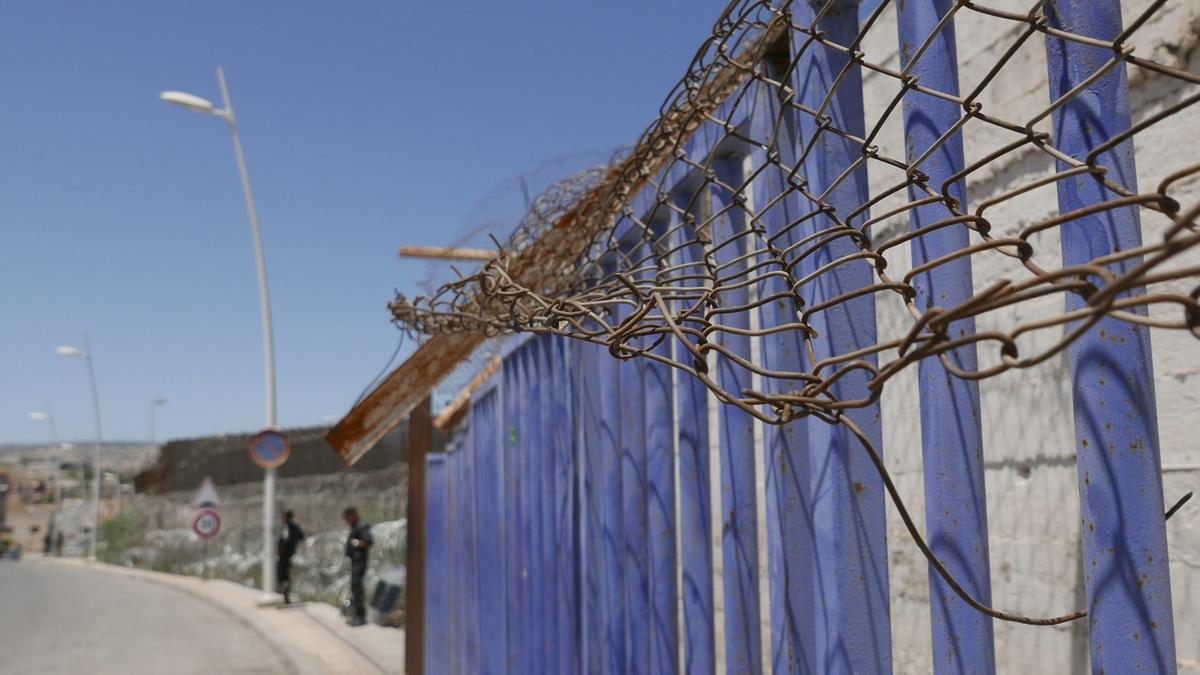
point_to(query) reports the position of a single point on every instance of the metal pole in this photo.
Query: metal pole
(87, 355)
(58, 464)
(268, 567)
(1126, 570)
(420, 437)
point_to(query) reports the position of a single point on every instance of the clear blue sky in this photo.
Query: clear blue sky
(366, 125)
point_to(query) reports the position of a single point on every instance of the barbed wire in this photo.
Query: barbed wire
(722, 225)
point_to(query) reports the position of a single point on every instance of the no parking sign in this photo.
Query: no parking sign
(270, 449)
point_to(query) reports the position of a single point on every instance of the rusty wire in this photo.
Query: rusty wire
(621, 257)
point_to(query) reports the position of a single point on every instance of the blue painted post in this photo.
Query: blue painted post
(951, 431)
(549, 547)
(612, 521)
(695, 499)
(437, 586)
(1116, 422)
(634, 554)
(486, 439)
(529, 443)
(566, 513)
(514, 602)
(449, 536)
(790, 564)
(527, 431)
(660, 516)
(739, 516)
(853, 633)
(594, 619)
(464, 490)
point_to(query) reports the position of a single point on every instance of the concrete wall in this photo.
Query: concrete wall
(183, 464)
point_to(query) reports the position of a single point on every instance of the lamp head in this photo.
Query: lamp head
(69, 351)
(189, 101)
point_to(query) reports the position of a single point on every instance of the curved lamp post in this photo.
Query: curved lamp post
(86, 355)
(154, 406)
(48, 418)
(201, 105)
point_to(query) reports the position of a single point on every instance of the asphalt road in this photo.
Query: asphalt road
(60, 619)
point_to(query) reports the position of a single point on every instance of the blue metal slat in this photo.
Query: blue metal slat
(527, 437)
(468, 566)
(593, 617)
(541, 471)
(549, 546)
(662, 561)
(450, 537)
(486, 436)
(1125, 562)
(514, 582)
(853, 631)
(788, 490)
(695, 499)
(739, 515)
(567, 513)
(634, 553)
(951, 423)
(608, 449)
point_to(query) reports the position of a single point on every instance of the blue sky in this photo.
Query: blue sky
(366, 125)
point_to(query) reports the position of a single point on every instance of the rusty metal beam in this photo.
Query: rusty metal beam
(389, 403)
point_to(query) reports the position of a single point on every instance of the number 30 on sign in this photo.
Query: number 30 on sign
(207, 524)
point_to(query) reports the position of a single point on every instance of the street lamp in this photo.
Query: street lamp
(48, 418)
(154, 406)
(201, 105)
(86, 355)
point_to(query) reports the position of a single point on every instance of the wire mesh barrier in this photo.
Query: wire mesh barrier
(827, 201)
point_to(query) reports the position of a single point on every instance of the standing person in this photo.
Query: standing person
(358, 544)
(290, 537)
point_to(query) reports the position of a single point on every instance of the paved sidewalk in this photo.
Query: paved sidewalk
(312, 638)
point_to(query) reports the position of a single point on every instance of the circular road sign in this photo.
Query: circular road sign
(207, 524)
(270, 449)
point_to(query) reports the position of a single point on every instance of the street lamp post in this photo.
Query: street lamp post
(198, 104)
(154, 406)
(48, 418)
(86, 355)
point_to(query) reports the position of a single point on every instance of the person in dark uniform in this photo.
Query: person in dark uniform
(358, 544)
(290, 537)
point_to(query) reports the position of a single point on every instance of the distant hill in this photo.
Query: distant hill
(128, 458)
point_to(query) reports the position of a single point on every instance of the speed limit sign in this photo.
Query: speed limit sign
(207, 524)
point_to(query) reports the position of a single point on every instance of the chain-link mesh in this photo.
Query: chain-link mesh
(772, 201)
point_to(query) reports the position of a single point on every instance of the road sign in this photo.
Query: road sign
(206, 524)
(206, 497)
(270, 449)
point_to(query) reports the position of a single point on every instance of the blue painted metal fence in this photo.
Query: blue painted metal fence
(571, 524)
